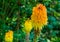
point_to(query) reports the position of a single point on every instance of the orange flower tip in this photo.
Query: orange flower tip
(39, 15)
(9, 36)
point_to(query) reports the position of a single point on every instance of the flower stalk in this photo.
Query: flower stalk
(27, 37)
(36, 34)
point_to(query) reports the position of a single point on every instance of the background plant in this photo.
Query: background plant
(13, 14)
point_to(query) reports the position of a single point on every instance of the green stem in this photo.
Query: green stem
(36, 35)
(27, 37)
(35, 39)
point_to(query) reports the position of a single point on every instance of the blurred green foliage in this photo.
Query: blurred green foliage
(13, 13)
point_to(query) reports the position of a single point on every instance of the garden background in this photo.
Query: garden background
(13, 14)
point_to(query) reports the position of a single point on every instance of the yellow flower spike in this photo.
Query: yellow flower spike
(39, 16)
(28, 26)
(9, 36)
(27, 29)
